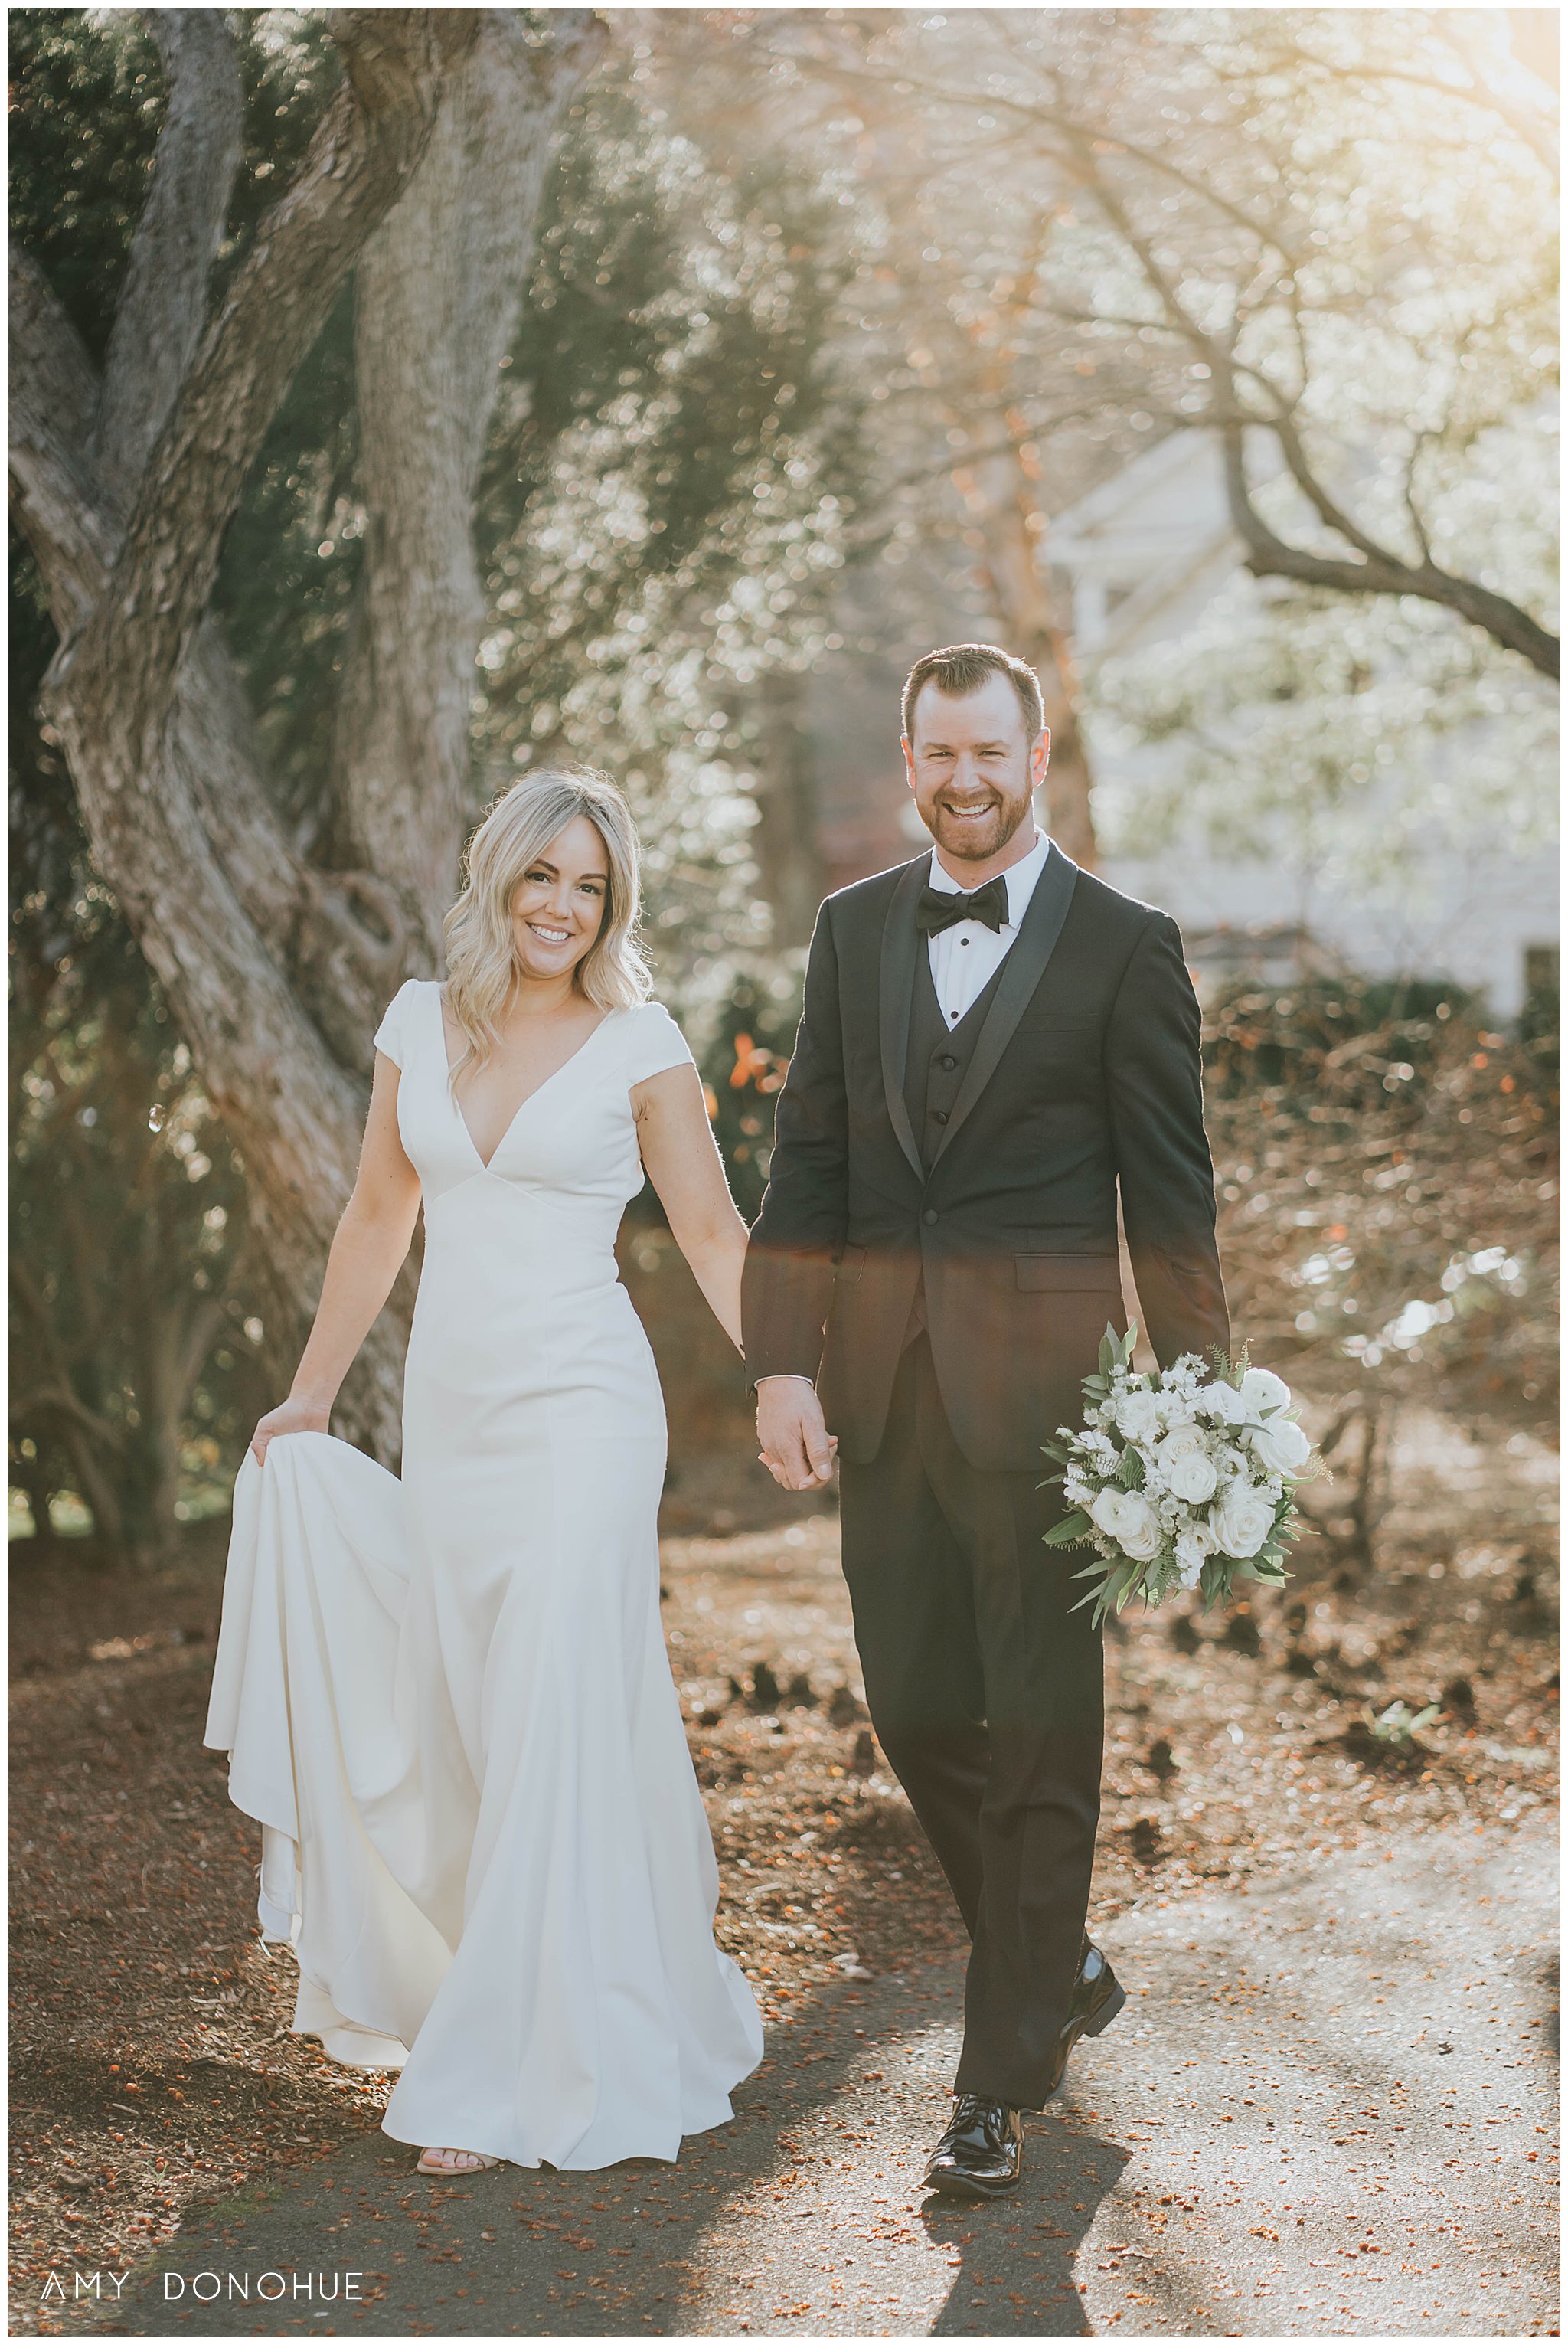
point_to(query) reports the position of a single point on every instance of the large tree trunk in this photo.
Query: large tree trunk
(275, 970)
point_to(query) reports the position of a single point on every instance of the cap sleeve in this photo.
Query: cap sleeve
(657, 1042)
(391, 1035)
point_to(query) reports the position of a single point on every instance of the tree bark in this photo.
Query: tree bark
(162, 307)
(438, 292)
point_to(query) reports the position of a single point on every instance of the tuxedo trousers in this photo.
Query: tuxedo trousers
(986, 1689)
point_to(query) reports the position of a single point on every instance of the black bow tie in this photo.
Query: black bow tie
(939, 908)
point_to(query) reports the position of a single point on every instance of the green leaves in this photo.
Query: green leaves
(1230, 1367)
(1070, 1530)
(1119, 1582)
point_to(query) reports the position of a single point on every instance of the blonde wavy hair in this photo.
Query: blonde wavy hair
(481, 963)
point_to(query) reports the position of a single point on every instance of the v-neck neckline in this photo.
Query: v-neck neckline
(484, 1163)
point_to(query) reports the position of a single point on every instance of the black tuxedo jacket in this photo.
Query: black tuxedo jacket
(1085, 1073)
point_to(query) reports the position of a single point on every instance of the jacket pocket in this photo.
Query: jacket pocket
(1098, 1274)
(846, 1269)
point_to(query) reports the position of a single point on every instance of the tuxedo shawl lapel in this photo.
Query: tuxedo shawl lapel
(901, 940)
(1021, 973)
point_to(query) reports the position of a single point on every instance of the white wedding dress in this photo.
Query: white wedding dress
(446, 1698)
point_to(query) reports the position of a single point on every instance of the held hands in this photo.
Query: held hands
(797, 1446)
(292, 1416)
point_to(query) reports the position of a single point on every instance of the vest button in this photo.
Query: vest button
(949, 1063)
(939, 1115)
(929, 1217)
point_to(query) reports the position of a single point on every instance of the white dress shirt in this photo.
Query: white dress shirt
(965, 957)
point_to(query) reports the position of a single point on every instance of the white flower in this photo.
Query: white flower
(1181, 1441)
(1130, 1522)
(1223, 1401)
(1193, 1548)
(1138, 1415)
(1261, 1390)
(1280, 1445)
(1192, 1478)
(1242, 1521)
(1105, 1509)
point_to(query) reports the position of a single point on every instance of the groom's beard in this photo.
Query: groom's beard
(974, 840)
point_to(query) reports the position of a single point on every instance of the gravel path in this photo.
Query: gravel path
(1325, 2112)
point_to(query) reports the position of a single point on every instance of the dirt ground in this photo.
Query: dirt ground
(153, 2072)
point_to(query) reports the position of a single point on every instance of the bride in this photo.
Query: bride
(446, 1697)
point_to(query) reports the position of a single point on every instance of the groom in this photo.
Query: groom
(993, 1043)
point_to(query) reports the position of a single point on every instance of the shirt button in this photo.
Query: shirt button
(929, 1217)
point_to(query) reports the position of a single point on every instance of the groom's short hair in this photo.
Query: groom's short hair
(962, 668)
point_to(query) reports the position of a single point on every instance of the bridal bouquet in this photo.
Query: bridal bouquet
(1179, 1480)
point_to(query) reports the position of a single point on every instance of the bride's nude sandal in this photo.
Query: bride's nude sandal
(479, 2162)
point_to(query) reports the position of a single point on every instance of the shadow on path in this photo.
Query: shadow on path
(803, 2216)
(1327, 2111)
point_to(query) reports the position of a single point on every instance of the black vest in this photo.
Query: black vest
(938, 1055)
(936, 1063)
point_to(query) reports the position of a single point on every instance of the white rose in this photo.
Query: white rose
(1223, 1401)
(1242, 1521)
(1181, 1441)
(1191, 1478)
(1138, 1415)
(1141, 1537)
(1105, 1509)
(1130, 1522)
(1261, 1390)
(1280, 1447)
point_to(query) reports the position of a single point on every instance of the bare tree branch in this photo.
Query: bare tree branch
(1270, 556)
(1379, 571)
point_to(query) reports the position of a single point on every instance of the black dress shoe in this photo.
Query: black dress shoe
(981, 2154)
(1097, 1996)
